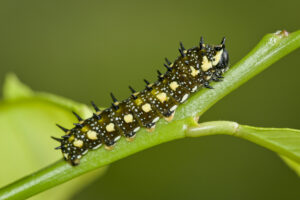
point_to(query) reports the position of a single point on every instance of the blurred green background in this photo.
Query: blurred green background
(85, 49)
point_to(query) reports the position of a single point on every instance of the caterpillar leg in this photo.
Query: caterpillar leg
(170, 118)
(130, 136)
(130, 139)
(206, 85)
(109, 148)
(151, 129)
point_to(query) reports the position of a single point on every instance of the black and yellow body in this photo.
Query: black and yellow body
(195, 68)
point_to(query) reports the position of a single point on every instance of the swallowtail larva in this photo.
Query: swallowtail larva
(195, 68)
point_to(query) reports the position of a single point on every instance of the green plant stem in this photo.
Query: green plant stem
(271, 48)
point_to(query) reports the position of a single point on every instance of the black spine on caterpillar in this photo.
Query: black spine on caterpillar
(193, 69)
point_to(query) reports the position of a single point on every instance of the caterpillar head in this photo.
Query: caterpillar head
(214, 57)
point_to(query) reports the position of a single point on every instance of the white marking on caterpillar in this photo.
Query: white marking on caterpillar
(206, 64)
(194, 89)
(194, 71)
(162, 97)
(128, 118)
(155, 120)
(217, 57)
(117, 138)
(110, 127)
(78, 143)
(96, 147)
(173, 108)
(146, 107)
(174, 85)
(83, 153)
(184, 98)
(92, 135)
(136, 129)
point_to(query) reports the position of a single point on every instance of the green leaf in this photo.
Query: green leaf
(271, 48)
(283, 141)
(14, 89)
(292, 164)
(27, 122)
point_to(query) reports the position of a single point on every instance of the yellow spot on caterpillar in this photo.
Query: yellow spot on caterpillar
(194, 71)
(206, 64)
(78, 143)
(98, 113)
(128, 118)
(217, 57)
(92, 135)
(84, 129)
(66, 155)
(71, 138)
(174, 85)
(162, 97)
(110, 127)
(151, 84)
(207, 78)
(119, 110)
(138, 101)
(146, 107)
(154, 92)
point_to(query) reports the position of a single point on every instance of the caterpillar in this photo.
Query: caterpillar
(195, 68)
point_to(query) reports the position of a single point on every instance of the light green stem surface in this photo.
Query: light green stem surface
(281, 140)
(271, 48)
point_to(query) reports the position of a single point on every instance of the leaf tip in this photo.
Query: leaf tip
(13, 88)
